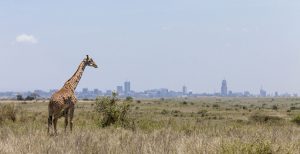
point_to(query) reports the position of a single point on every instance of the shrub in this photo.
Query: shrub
(7, 112)
(216, 105)
(260, 118)
(176, 113)
(113, 112)
(184, 103)
(202, 112)
(296, 119)
(274, 107)
(164, 111)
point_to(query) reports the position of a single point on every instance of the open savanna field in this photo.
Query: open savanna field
(202, 125)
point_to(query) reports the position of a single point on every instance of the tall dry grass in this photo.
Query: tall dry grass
(260, 139)
(222, 130)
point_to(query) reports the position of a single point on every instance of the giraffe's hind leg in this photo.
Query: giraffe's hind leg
(49, 123)
(57, 116)
(50, 118)
(66, 111)
(71, 117)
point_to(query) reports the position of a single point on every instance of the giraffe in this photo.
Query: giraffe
(62, 103)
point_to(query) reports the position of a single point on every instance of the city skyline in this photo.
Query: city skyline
(153, 93)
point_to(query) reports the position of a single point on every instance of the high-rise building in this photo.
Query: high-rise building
(108, 93)
(85, 90)
(224, 88)
(276, 94)
(184, 90)
(119, 89)
(96, 91)
(262, 92)
(126, 87)
(229, 93)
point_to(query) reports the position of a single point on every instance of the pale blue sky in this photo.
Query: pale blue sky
(154, 44)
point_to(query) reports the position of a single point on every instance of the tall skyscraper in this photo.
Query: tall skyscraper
(262, 92)
(119, 89)
(276, 94)
(224, 88)
(127, 87)
(184, 89)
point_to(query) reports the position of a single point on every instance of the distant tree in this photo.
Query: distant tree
(20, 97)
(32, 96)
(29, 98)
(129, 99)
(35, 95)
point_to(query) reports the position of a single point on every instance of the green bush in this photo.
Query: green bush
(164, 111)
(184, 103)
(274, 107)
(113, 112)
(261, 118)
(202, 113)
(216, 105)
(176, 113)
(296, 119)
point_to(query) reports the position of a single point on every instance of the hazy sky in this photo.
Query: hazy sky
(152, 43)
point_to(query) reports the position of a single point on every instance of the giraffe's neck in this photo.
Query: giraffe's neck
(72, 83)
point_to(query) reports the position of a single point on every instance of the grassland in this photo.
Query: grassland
(202, 125)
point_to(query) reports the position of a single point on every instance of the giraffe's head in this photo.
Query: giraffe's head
(89, 62)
